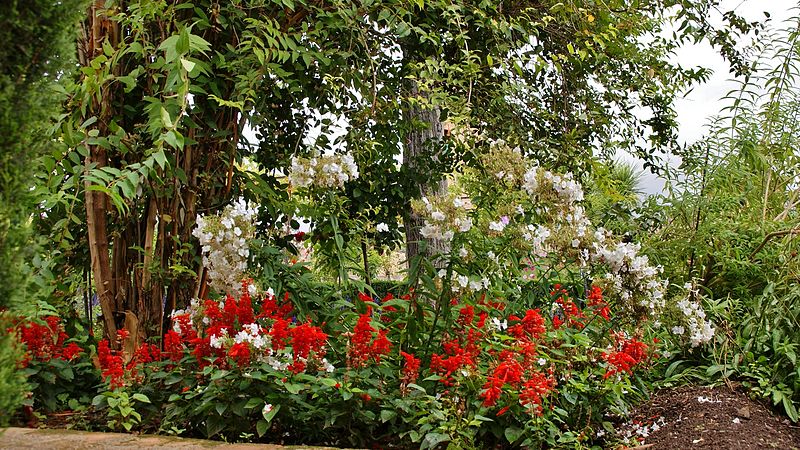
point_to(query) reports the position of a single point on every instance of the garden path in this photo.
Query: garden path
(33, 438)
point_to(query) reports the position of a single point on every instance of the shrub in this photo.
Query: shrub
(12, 380)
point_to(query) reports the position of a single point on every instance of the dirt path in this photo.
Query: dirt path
(717, 418)
(32, 438)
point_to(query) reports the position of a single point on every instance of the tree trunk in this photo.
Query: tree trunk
(99, 29)
(426, 129)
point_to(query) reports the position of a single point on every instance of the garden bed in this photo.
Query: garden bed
(713, 418)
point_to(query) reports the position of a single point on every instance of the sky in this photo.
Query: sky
(704, 101)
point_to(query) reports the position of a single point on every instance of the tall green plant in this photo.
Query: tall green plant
(39, 49)
(731, 224)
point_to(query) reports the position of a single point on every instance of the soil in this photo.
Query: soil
(693, 417)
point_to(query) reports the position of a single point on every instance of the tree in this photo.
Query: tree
(39, 42)
(154, 124)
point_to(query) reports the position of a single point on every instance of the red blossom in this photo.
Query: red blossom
(279, 333)
(534, 390)
(631, 352)
(240, 352)
(110, 364)
(305, 339)
(596, 302)
(365, 344)
(410, 368)
(173, 346)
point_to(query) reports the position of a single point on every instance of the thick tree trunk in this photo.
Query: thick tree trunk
(99, 29)
(426, 129)
(98, 250)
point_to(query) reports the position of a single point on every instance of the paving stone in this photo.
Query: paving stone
(40, 439)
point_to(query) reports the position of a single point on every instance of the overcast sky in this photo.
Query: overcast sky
(703, 102)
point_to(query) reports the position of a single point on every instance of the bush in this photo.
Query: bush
(12, 380)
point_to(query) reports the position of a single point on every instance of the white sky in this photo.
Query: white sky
(704, 101)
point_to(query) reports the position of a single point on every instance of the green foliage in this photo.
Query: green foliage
(12, 380)
(40, 44)
(614, 197)
(730, 227)
(120, 408)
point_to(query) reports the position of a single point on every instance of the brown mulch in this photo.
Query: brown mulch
(693, 417)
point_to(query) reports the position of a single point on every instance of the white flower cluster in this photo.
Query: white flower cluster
(567, 187)
(445, 218)
(464, 282)
(529, 181)
(251, 333)
(327, 171)
(631, 275)
(224, 239)
(536, 235)
(700, 330)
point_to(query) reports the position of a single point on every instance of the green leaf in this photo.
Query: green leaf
(791, 411)
(261, 427)
(433, 439)
(188, 65)
(165, 118)
(161, 159)
(330, 382)
(253, 403)
(293, 388)
(387, 415)
(269, 415)
(141, 397)
(221, 407)
(513, 434)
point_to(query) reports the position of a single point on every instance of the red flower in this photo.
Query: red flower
(173, 346)
(365, 345)
(71, 351)
(279, 332)
(466, 316)
(530, 327)
(631, 352)
(305, 339)
(595, 298)
(534, 390)
(410, 368)
(110, 365)
(240, 352)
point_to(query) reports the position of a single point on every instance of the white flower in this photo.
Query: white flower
(679, 330)
(267, 409)
(382, 228)
(463, 280)
(464, 225)
(541, 361)
(463, 252)
(224, 241)
(529, 183)
(438, 216)
(497, 226)
(499, 325)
